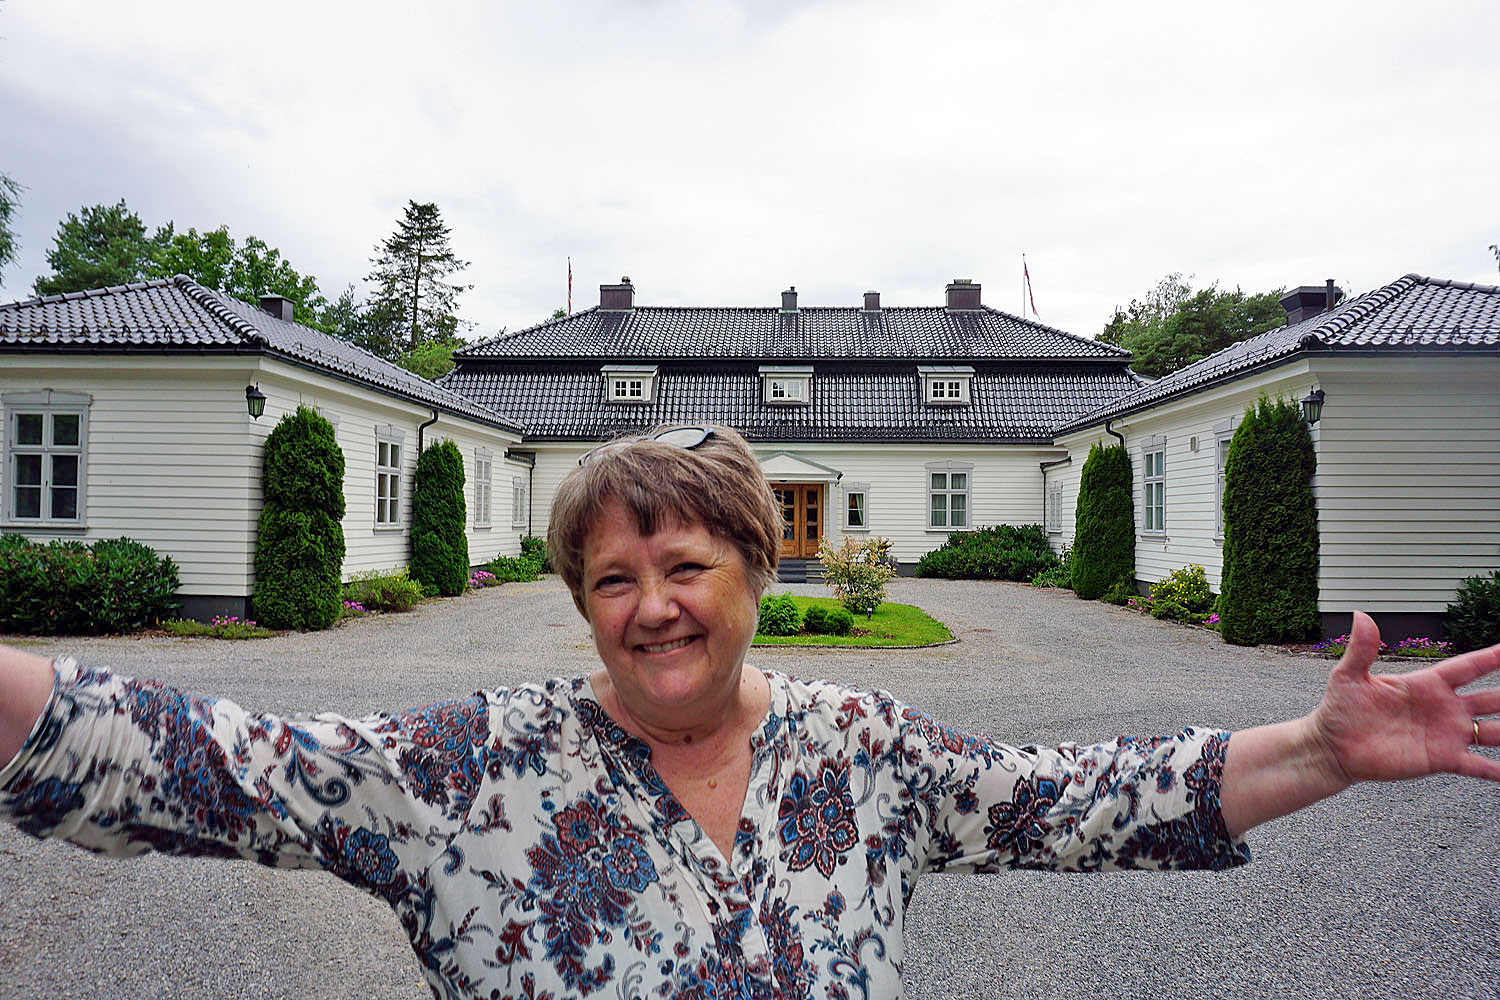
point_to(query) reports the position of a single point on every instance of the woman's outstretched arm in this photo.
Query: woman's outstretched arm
(25, 686)
(1385, 727)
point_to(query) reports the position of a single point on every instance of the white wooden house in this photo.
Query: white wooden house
(125, 413)
(1408, 447)
(907, 422)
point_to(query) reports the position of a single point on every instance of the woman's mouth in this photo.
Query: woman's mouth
(666, 647)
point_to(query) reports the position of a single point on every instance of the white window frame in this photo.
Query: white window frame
(1154, 486)
(948, 492)
(861, 490)
(48, 404)
(484, 486)
(1054, 508)
(786, 385)
(945, 385)
(629, 384)
(389, 477)
(519, 501)
(1223, 434)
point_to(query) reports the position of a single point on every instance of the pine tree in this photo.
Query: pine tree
(106, 245)
(412, 269)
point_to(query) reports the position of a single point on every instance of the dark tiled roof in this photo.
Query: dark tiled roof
(181, 316)
(1011, 404)
(666, 332)
(1414, 314)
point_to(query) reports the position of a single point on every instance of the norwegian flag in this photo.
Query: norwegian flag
(1026, 272)
(570, 286)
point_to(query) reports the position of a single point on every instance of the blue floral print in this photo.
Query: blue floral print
(531, 850)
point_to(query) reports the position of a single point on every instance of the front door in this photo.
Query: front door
(801, 520)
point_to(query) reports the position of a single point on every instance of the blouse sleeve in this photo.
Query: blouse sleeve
(122, 767)
(1132, 802)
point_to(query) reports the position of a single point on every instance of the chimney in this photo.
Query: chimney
(617, 298)
(963, 295)
(872, 302)
(1307, 301)
(278, 305)
(789, 300)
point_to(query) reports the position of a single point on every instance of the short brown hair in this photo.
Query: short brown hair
(717, 484)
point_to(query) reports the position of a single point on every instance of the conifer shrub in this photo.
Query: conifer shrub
(996, 552)
(439, 547)
(1104, 544)
(1270, 583)
(299, 545)
(1474, 616)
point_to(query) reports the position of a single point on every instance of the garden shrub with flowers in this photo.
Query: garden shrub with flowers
(858, 571)
(513, 569)
(1184, 595)
(221, 627)
(1420, 646)
(481, 578)
(373, 590)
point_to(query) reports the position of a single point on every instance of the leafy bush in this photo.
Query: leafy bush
(998, 552)
(779, 615)
(1187, 587)
(222, 627)
(1474, 616)
(840, 622)
(1104, 545)
(815, 620)
(61, 587)
(1171, 609)
(513, 569)
(1122, 593)
(858, 571)
(299, 545)
(439, 546)
(376, 591)
(535, 549)
(1270, 584)
(1060, 575)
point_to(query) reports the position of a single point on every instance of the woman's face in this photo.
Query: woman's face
(672, 615)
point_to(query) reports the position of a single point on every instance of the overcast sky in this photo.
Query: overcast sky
(717, 152)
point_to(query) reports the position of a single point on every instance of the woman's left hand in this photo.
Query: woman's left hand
(1387, 727)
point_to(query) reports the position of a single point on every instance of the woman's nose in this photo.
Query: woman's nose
(657, 606)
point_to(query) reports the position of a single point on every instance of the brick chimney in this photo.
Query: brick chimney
(963, 295)
(1307, 301)
(279, 306)
(872, 302)
(617, 298)
(789, 300)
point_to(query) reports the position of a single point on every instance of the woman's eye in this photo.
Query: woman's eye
(688, 568)
(610, 582)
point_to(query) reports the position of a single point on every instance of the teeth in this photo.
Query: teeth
(663, 647)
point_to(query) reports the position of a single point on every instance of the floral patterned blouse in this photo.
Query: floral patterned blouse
(532, 851)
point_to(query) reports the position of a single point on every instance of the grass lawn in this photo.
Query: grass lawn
(892, 625)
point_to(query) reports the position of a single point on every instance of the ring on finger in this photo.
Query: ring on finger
(1476, 733)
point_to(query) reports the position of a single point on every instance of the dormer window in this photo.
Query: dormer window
(945, 385)
(629, 384)
(784, 385)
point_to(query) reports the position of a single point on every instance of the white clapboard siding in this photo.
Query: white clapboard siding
(1005, 485)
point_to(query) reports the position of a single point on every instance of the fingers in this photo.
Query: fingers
(1487, 731)
(1461, 670)
(1486, 702)
(1363, 647)
(1477, 765)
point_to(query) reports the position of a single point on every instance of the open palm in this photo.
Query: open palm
(1387, 727)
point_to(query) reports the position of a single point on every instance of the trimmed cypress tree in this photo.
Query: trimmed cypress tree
(1104, 545)
(439, 547)
(1269, 591)
(299, 545)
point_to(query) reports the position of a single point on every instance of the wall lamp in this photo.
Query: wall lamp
(1312, 407)
(255, 400)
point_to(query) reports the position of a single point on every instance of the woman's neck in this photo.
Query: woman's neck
(706, 727)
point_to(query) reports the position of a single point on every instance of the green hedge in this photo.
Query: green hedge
(1474, 616)
(299, 545)
(514, 569)
(1104, 543)
(113, 585)
(1269, 591)
(998, 552)
(439, 546)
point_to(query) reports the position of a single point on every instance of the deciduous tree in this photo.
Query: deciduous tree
(412, 267)
(10, 200)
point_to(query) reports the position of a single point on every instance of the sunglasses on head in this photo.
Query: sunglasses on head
(681, 437)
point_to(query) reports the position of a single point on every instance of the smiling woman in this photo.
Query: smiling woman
(678, 822)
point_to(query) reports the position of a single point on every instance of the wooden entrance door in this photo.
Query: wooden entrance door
(801, 520)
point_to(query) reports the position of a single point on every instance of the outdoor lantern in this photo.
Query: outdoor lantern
(1312, 406)
(255, 400)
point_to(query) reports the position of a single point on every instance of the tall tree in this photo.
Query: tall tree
(411, 268)
(245, 271)
(10, 200)
(204, 257)
(104, 245)
(1175, 326)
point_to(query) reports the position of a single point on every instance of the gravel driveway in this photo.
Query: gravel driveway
(1384, 892)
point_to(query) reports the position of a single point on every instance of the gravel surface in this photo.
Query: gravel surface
(1385, 892)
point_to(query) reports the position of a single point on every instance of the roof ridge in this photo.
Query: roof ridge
(1465, 286)
(86, 293)
(209, 300)
(1057, 330)
(1359, 308)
